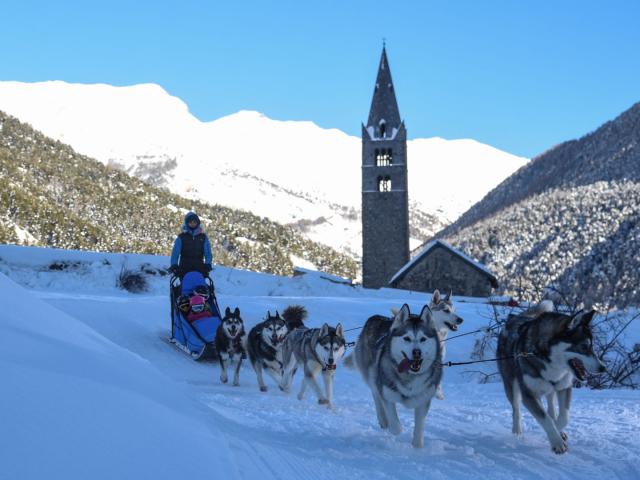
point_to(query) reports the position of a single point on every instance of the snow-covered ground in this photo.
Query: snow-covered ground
(92, 389)
(295, 170)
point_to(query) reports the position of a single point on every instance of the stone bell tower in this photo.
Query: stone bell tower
(385, 199)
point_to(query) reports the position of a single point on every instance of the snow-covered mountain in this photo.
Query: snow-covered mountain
(289, 171)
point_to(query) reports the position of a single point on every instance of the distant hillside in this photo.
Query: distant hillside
(52, 196)
(584, 240)
(612, 152)
(569, 219)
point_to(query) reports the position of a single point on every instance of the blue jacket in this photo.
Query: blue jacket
(177, 245)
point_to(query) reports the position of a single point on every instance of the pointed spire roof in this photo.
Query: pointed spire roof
(384, 105)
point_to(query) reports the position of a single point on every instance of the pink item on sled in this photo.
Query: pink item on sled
(198, 301)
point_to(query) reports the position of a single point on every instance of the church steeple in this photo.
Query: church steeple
(384, 115)
(385, 196)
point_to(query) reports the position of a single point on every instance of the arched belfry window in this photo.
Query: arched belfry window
(384, 184)
(383, 128)
(384, 157)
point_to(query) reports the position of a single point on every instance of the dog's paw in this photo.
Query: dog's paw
(323, 401)
(517, 430)
(560, 448)
(418, 443)
(300, 396)
(263, 389)
(439, 394)
(236, 383)
(395, 428)
(224, 379)
(564, 436)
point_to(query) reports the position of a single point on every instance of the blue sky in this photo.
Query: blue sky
(521, 76)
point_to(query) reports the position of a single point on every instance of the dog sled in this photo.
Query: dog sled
(195, 315)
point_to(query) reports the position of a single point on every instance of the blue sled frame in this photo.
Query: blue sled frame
(194, 338)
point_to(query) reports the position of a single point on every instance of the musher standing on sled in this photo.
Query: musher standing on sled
(190, 247)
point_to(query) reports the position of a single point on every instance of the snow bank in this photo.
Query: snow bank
(75, 405)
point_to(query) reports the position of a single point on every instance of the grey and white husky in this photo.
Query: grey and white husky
(316, 349)
(230, 344)
(542, 352)
(400, 360)
(264, 346)
(446, 320)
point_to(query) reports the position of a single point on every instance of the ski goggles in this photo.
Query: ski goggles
(197, 308)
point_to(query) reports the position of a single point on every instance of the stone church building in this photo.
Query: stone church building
(439, 265)
(385, 211)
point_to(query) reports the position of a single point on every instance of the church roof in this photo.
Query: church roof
(384, 106)
(441, 244)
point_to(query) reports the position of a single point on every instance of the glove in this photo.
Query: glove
(207, 267)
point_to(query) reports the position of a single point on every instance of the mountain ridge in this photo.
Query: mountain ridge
(134, 128)
(572, 163)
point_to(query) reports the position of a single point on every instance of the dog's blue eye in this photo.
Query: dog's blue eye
(407, 339)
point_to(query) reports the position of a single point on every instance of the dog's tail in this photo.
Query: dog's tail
(350, 362)
(543, 307)
(294, 316)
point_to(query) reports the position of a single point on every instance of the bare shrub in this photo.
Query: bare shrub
(134, 282)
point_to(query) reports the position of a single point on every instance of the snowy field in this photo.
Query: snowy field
(92, 389)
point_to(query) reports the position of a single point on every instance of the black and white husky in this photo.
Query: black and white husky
(264, 346)
(400, 360)
(445, 319)
(316, 349)
(542, 352)
(230, 344)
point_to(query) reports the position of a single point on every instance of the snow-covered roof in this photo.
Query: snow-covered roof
(439, 243)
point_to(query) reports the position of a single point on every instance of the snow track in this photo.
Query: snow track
(95, 387)
(273, 435)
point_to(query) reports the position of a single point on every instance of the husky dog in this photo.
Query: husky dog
(542, 352)
(264, 346)
(230, 344)
(400, 359)
(446, 321)
(316, 349)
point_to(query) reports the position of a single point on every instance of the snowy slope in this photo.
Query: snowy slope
(95, 387)
(295, 170)
(76, 405)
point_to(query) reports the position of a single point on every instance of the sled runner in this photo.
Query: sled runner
(194, 322)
